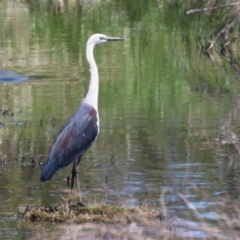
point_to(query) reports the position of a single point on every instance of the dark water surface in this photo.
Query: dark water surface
(163, 109)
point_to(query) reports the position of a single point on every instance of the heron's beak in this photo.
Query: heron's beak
(114, 39)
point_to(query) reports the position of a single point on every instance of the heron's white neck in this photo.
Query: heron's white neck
(92, 94)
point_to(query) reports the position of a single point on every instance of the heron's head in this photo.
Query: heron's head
(101, 38)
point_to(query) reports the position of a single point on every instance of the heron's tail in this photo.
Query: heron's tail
(48, 170)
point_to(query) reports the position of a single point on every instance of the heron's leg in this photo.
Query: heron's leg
(74, 173)
(78, 182)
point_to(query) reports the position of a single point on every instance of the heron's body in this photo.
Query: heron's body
(82, 128)
(75, 137)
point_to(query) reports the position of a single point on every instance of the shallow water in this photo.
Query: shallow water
(162, 109)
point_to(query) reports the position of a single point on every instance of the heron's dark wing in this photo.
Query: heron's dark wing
(74, 138)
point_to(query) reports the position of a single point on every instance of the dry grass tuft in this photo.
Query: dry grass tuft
(83, 214)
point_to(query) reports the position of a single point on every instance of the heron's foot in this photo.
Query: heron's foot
(81, 204)
(76, 206)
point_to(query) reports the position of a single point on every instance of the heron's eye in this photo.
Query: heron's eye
(101, 38)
